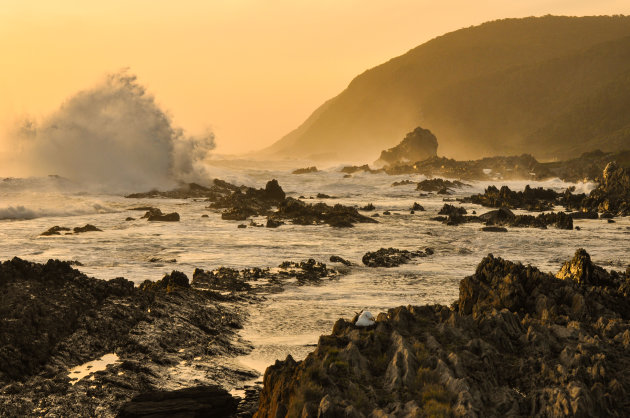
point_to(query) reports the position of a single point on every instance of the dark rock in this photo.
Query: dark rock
(86, 228)
(167, 217)
(221, 279)
(204, 216)
(387, 212)
(402, 183)
(129, 218)
(439, 185)
(451, 210)
(391, 257)
(241, 226)
(305, 170)
(272, 223)
(274, 191)
(354, 169)
(517, 342)
(417, 145)
(198, 401)
(417, 206)
(369, 207)
(337, 259)
(323, 196)
(169, 283)
(301, 213)
(55, 230)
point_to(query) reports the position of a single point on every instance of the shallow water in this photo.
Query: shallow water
(290, 322)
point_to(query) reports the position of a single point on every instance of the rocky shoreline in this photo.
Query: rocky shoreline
(517, 342)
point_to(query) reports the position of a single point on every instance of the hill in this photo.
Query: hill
(551, 86)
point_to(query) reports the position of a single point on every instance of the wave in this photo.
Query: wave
(20, 212)
(111, 137)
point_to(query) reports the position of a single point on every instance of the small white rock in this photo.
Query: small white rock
(365, 319)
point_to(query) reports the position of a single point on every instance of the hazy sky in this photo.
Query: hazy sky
(252, 70)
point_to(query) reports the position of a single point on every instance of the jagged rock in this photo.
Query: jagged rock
(402, 183)
(494, 229)
(417, 145)
(272, 223)
(517, 342)
(354, 169)
(221, 279)
(169, 283)
(392, 257)
(367, 208)
(196, 401)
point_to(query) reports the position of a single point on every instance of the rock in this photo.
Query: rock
(129, 218)
(417, 206)
(354, 169)
(156, 215)
(402, 183)
(417, 145)
(439, 185)
(274, 191)
(494, 229)
(306, 170)
(517, 342)
(204, 216)
(168, 217)
(337, 259)
(391, 257)
(369, 207)
(451, 210)
(55, 230)
(221, 279)
(272, 223)
(195, 401)
(242, 226)
(86, 228)
(301, 213)
(387, 212)
(169, 283)
(323, 196)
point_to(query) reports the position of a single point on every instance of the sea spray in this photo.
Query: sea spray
(113, 137)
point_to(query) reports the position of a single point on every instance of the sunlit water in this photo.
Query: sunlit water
(290, 322)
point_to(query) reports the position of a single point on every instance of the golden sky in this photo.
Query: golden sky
(251, 70)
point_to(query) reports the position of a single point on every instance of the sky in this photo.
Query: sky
(249, 70)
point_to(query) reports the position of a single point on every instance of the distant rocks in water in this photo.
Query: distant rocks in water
(156, 215)
(306, 170)
(417, 207)
(402, 183)
(301, 213)
(324, 196)
(337, 259)
(351, 169)
(392, 257)
(189, 191)
(368, 208)
(57, 230)
(523, 167)
(198, 401)
(417, 145)
(129, 218)
(273, 223)
(517, 342)
(162, 260)
(504, 217)
(86, 228)
(439, 185)
(531, 199)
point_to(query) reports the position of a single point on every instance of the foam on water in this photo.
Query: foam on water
(290, 322)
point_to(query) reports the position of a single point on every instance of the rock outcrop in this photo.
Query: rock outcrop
(517, 342)
(417, 145)
(392, 257)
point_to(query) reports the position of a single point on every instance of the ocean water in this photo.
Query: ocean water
(290, 322)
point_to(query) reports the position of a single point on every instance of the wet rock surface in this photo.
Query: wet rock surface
(502, 217)
(517, 342)
(54, 318)
(392, 257)
(351, 169)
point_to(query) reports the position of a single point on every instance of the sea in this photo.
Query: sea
(290, 322)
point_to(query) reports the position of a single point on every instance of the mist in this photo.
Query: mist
(112, 137)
